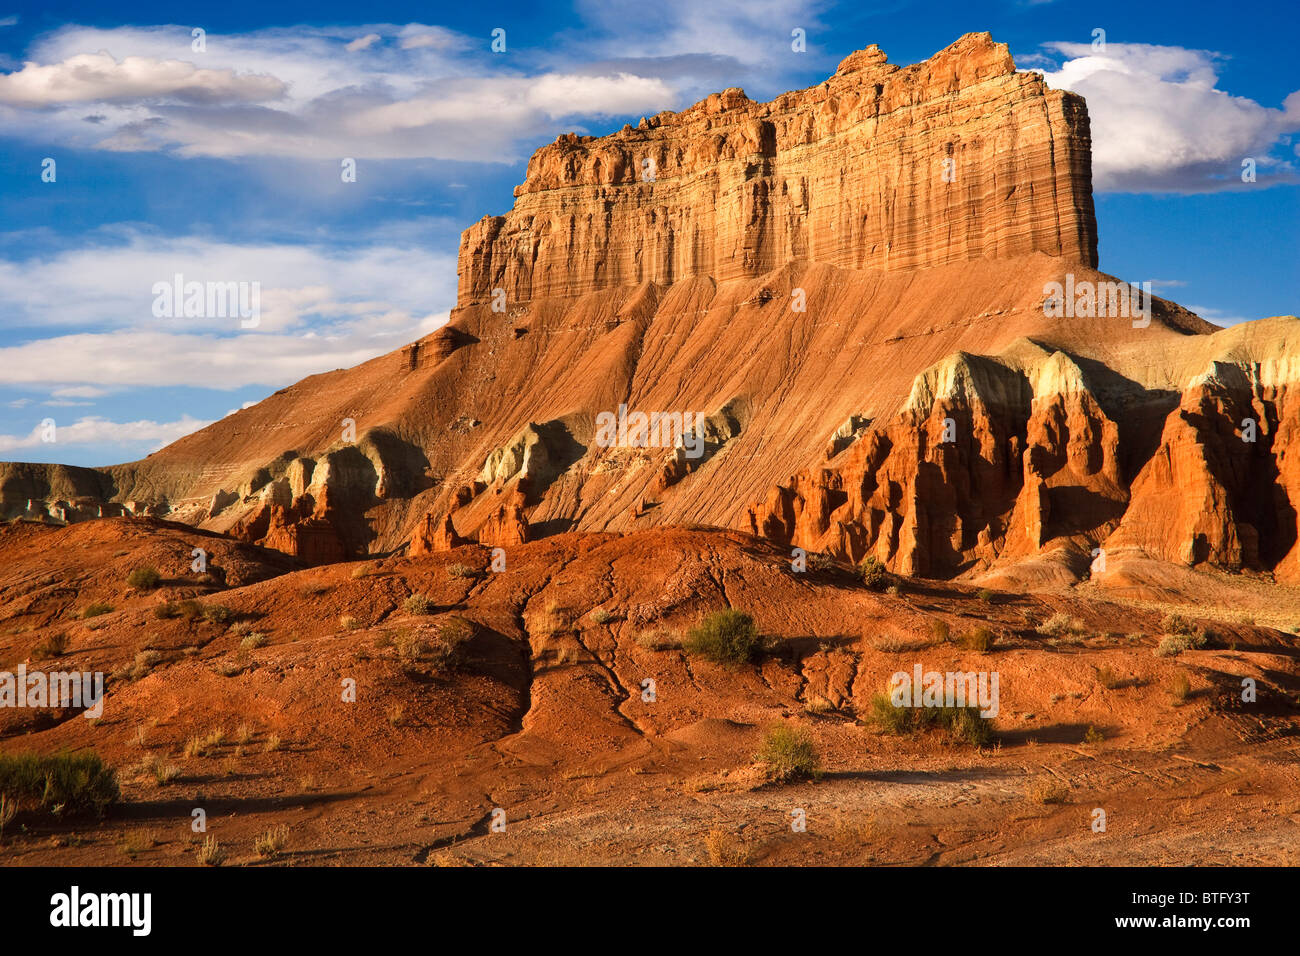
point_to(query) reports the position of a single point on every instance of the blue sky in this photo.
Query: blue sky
(224, 163)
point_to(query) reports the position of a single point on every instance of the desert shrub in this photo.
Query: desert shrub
(893, 590)
(727, 637)
(1171, 645)
(363, 570)
(53, 645)
(1047, 791)
(164, 771)
(209, 852)
(454, 634)
(217, 614)
(252, 641)
(873, 573)
(95, 609)
(724, 849)
(418, 604)
(986, 595)
(62, 784)
(146, 579)
(190, 609)
(603, 616)
(660, 639)
(459, 570)
(272, 842)
(788, 753)
(962, 723)
(979, 639)
(349, 623)
(939, 630)
(1176, 624)
(410, 645)
(1060, 624)
(166, 611)
(1093, 736)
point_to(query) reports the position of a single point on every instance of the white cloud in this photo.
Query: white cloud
(99, 78)
(321, 309)
(309, 92)
(363, 43)
(100, 431)
(1159, 122)
(147, 358)
(380, 286)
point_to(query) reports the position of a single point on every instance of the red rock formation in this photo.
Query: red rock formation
(506, 526)
(957, 158)
(433, 535)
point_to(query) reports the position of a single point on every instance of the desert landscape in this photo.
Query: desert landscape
(742, 412)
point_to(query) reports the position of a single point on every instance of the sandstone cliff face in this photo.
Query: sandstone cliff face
(957, 158)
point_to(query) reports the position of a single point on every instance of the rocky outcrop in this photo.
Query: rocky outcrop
(1221, 488)
(957, 158)
(432, 535)
(506, 526)
(978, 472)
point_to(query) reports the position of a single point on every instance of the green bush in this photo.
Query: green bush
(1171, 645)
(146, 579)
(217, 614)
(962, 723)
(873, 573)
(788, 753)
(727, 637)
(96, 608)
(167, 611)
(418, 604)
(61, 785)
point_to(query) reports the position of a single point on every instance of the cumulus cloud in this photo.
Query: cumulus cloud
(147, 358)
(1160, 123)
(310, 92)
(380, 286)
(320, 308)
(99, 78)
(94, 430)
